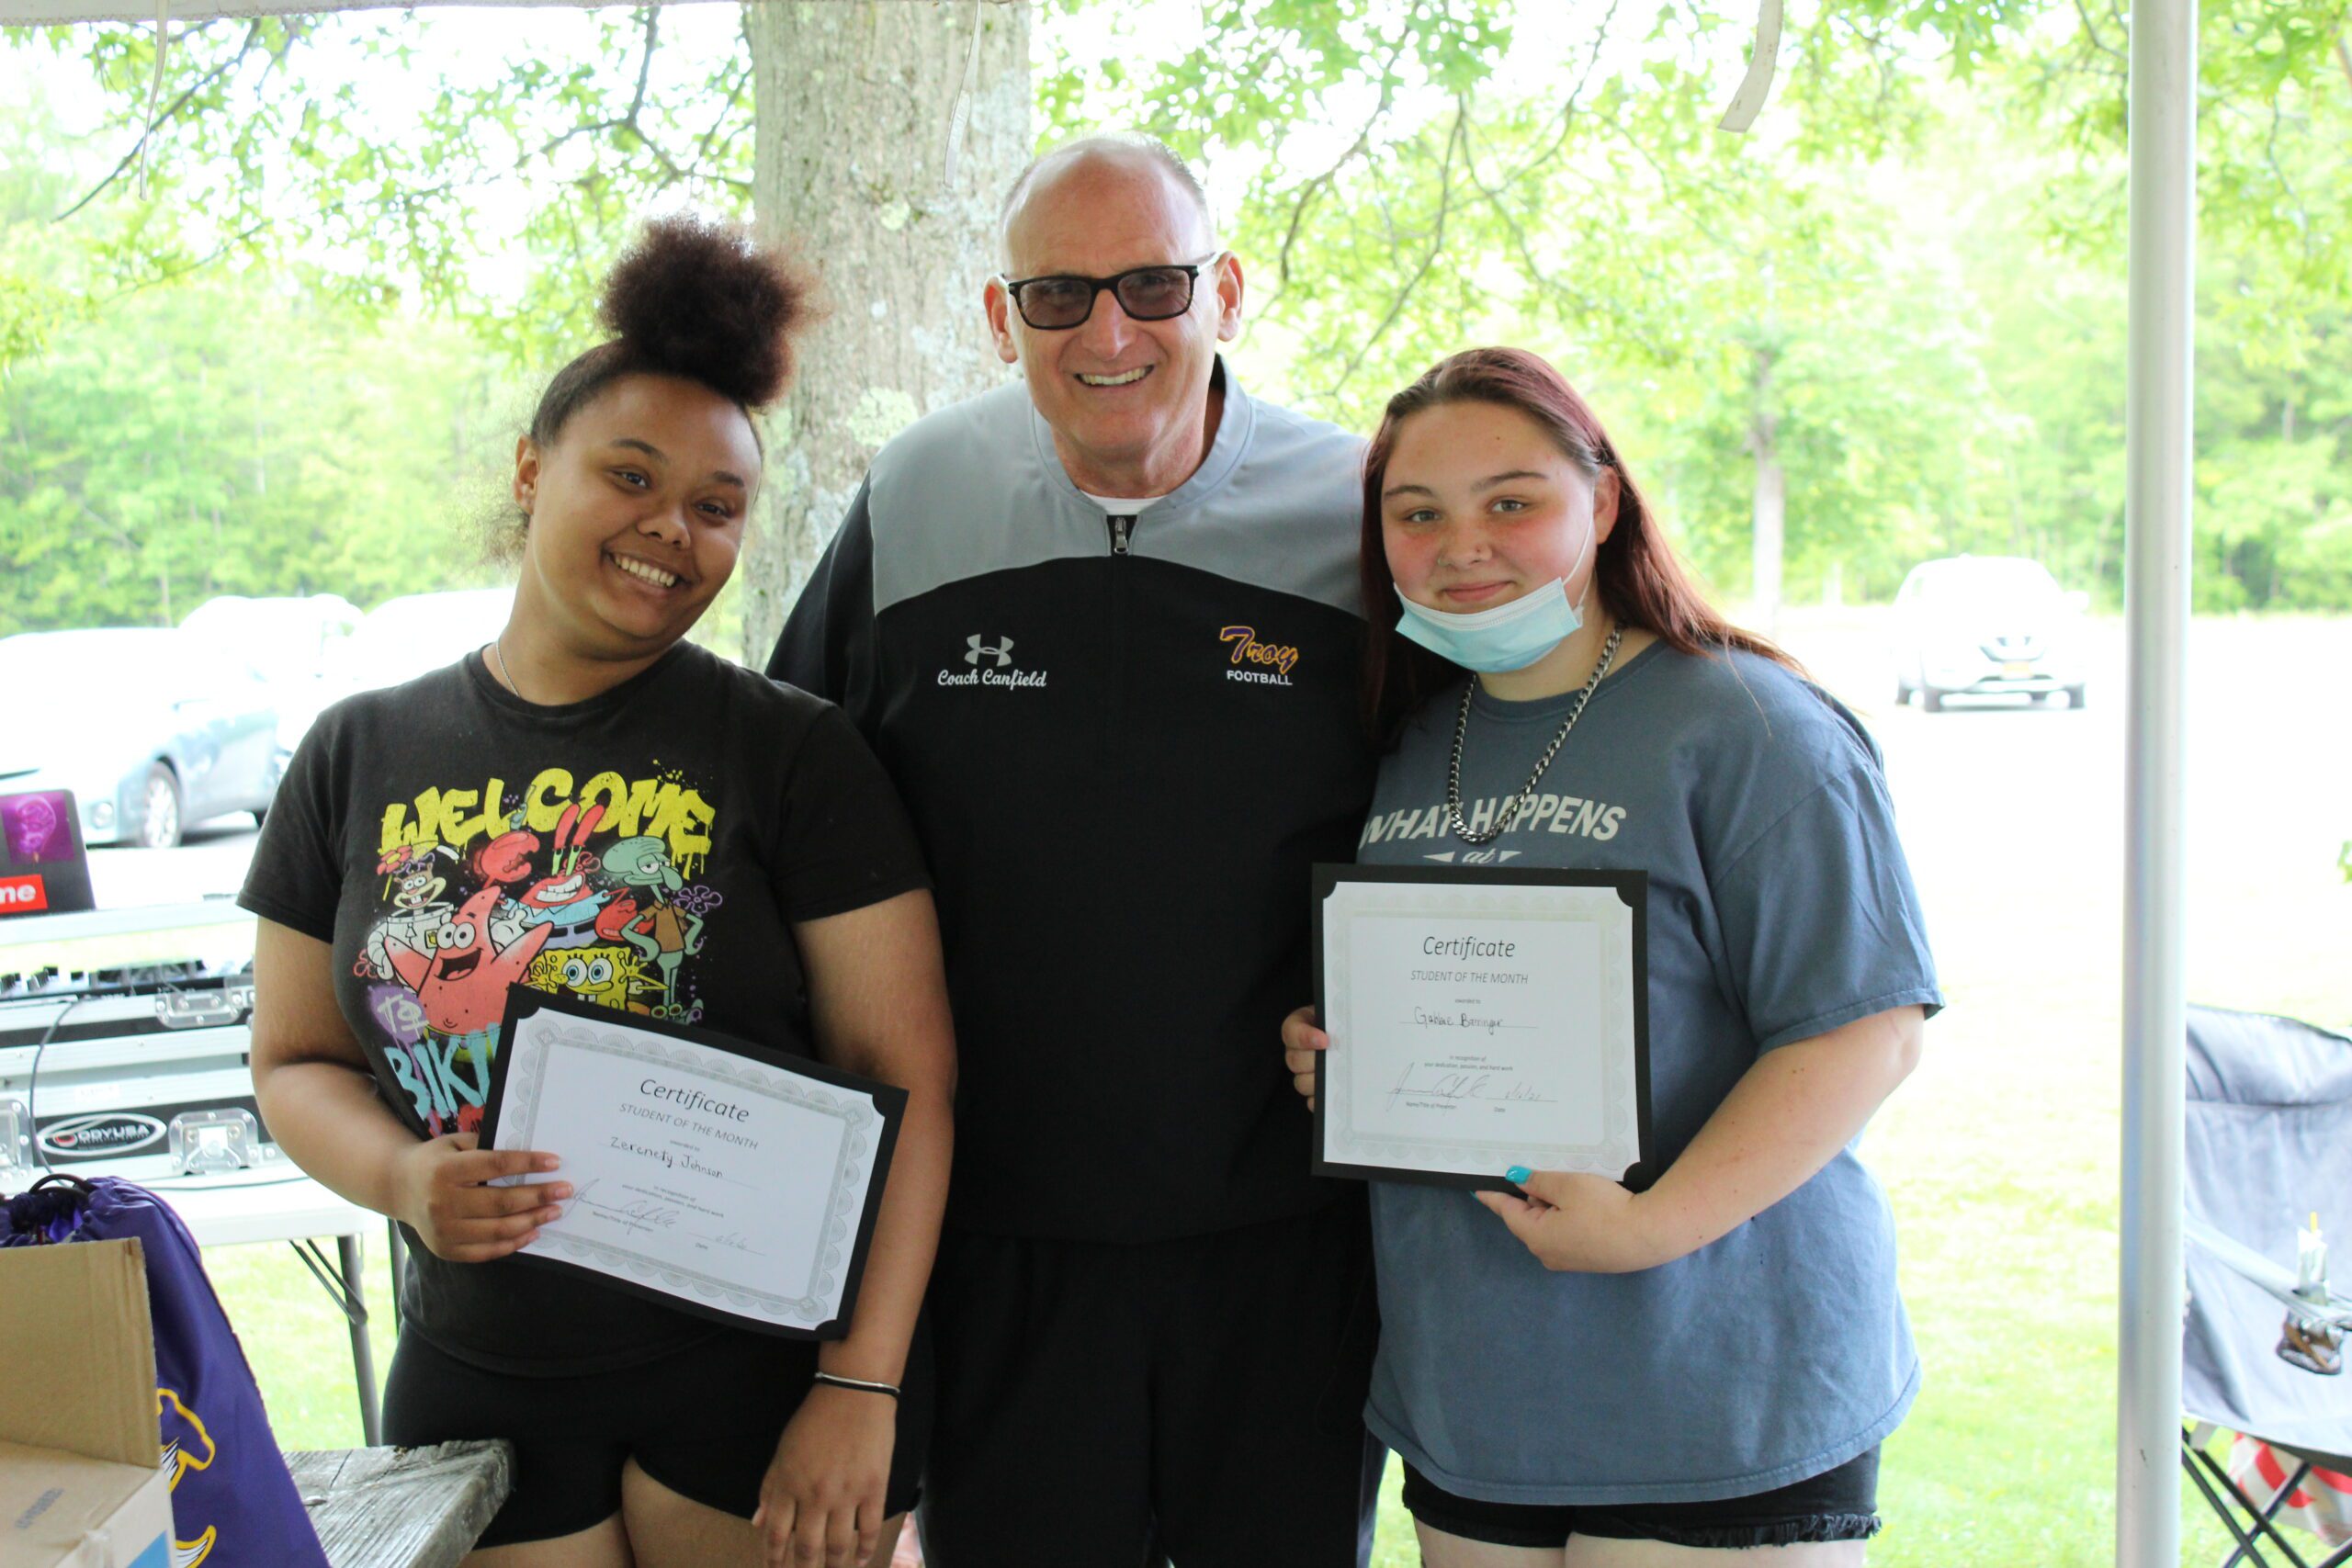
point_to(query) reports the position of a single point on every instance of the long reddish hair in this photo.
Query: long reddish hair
(1640, 581)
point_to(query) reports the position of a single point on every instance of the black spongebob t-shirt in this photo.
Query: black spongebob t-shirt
(645, 850)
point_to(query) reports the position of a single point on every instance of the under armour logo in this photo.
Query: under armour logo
(1002, 652)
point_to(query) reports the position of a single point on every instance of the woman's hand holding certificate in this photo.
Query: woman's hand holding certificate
(734, 1182)
(1589, 1225)
(452, 1193)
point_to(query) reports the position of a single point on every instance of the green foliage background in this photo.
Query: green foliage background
(282, 370)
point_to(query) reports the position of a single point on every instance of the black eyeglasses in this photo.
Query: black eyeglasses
(1061, 300)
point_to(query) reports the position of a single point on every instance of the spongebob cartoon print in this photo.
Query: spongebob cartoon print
(583, 889)
(669, 931)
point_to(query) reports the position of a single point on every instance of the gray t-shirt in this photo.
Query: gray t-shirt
(1780, 907)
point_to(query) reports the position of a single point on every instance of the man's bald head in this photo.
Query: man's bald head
(1107, 154)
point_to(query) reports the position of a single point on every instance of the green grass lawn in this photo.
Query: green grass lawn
(296, 1339)
(2001, 1154)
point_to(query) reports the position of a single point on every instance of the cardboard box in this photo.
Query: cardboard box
(81, 1481)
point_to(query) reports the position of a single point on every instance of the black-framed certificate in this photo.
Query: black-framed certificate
(710, 1174)
(1481, 1017)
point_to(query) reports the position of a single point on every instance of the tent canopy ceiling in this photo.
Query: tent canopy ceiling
(42, 12)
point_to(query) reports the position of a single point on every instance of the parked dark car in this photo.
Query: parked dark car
(152, 730)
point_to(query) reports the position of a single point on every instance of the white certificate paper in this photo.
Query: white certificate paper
(1479, 1019)
(738, 1183)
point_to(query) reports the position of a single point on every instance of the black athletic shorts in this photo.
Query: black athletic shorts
(1106, 1404)
(1837, 1504)
(702, 1421)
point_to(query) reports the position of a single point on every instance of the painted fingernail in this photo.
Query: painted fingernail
(1517, 1174)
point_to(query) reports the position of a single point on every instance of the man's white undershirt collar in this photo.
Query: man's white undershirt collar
(1119, 506)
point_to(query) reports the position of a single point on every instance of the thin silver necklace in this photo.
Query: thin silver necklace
(1518, 803)
(498, 646)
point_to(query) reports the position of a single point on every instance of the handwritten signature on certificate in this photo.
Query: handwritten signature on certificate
(1422, 1082)
(642, 1216)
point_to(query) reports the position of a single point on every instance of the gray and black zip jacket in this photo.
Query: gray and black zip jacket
(1124, 741)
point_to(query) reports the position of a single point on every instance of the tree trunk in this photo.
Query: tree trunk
(854, 104)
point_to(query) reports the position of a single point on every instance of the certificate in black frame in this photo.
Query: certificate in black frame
(889, 1100)
(1630, 886)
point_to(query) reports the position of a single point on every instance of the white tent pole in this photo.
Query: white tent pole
(2158, 424)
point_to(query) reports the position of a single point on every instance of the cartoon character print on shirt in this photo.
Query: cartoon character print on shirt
(584, 891)
(564, 901)
(669, 932)
(418, 878)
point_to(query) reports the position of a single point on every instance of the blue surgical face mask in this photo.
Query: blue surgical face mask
(1508, 636)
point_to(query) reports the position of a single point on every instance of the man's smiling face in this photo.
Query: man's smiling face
(1128, 399)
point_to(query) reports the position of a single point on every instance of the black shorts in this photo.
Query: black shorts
(1105, 1405)
(702, 1420)
(1837, 1504)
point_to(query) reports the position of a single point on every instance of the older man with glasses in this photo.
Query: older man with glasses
(1102, 626)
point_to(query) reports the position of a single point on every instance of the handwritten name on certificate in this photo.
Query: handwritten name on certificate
(1481, 1018)
(736, 1183)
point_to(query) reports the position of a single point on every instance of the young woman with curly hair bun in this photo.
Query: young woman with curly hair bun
(591, 805)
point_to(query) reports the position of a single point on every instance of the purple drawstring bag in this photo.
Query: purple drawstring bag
(233, 1505)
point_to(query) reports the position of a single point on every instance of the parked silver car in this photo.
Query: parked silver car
(152, 730)
(291, 642)
(417, 633)
(1986, 625)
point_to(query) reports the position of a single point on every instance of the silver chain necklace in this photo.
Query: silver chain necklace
(1518, 803)
(498, 646)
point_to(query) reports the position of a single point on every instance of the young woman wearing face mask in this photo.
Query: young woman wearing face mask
(1589, 1376)
(591, 805)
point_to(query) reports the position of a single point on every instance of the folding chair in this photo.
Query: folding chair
(2269, 1140)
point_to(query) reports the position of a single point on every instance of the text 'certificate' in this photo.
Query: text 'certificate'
(1481, 1018)
(738, 1183)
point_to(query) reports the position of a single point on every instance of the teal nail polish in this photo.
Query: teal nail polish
(1517, 1175)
